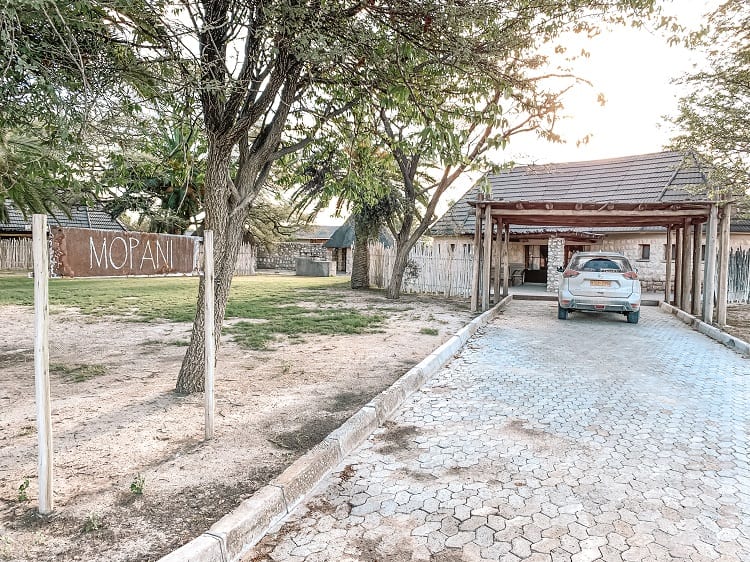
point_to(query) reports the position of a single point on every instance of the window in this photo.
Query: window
(703, 252)
(674, 252)
(644, 252)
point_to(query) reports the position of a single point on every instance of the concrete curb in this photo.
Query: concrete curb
(738, 345)
(237, 532)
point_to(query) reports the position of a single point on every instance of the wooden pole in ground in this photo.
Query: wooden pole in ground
(668, 271)
(721, 301)
(506, 258)
(498, 247)
(677, 266)
(477, 254)
(487, 260)
(686, 253)
(41, 363)
(709, 271)
(695, 299)
(210, 331)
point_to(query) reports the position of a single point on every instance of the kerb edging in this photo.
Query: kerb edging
(238, 531)
(740, 346)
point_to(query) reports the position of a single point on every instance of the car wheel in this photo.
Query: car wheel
(562, 313)
(633, 317)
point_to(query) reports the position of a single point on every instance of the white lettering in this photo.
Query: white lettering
(93, 255)
(148, 250)
(124, 249)
(132, 245)
(160, 251)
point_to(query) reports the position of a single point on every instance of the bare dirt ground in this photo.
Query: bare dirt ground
(738, 318)
(127, 422)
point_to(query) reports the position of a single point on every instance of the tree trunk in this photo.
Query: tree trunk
(360, 256)
(399, 267)
(228, 231)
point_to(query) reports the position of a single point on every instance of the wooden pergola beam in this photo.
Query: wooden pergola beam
(487, 258)
(668, 275)
(695, 297)
(709, 267)
(686, 269)
(476, 264)
(721, 305)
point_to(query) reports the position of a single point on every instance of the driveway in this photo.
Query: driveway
(585, 439)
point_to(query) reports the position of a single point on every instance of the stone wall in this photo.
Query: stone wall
(555, 259)
(283, 256)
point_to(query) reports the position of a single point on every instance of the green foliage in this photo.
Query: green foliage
(93, 522)
(78, 372)
(270, 305)
(715, 116)
(23, 495)
(137, 485)
(429, 331)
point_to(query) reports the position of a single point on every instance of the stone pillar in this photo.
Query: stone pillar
(555, 259)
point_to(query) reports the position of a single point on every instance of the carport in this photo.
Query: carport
(683, 221)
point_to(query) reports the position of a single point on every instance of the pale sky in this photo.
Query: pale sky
(633, 69)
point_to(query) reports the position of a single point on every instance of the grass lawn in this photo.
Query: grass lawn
(273, 305)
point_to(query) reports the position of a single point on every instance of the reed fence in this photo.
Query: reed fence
(16, 254)
(430, 270)
(738, 290)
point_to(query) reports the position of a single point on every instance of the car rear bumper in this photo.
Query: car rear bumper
(594, 304)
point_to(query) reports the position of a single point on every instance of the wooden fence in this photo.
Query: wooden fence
(429, 270)
(246, 260)
(16, 254)
(739, 276)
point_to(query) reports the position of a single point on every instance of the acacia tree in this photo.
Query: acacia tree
(473, 80)
(715, 115)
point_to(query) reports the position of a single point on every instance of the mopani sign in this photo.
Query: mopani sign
(83, 252)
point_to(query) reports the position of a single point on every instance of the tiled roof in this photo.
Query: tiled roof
(80, 217)
(315, 232)
(646, 178)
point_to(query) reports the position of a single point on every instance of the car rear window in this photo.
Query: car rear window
(599, 264)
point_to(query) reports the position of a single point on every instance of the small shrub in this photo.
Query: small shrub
(78, 373)
(23, 495)
(136, 486)
(429, 331)
(92, 523)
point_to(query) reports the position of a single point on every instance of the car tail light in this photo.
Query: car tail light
(571, 273)
(630, 275)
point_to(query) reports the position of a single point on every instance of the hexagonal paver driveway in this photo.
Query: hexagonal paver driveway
(585, 439)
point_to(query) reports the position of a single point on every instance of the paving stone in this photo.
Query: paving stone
(515, 453)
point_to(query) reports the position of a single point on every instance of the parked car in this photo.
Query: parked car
(599, 282)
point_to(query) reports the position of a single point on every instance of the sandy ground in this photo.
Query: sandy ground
(271, 407)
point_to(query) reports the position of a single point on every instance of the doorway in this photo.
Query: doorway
(536, 263)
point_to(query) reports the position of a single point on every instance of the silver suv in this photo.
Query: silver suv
(599, 282)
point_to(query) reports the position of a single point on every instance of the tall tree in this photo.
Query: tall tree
(715, 115)
(476, 77)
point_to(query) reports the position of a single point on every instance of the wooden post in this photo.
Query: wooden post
(721, 301)
(695, 298)
(210, 331)
(477, 255)
(686, 255)
(506, 259)
(487, 260)
(709, 267)
(677, 266)
(41, 363)
(498, 247)
(668, 270)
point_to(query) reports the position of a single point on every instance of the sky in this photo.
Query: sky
(634, 69)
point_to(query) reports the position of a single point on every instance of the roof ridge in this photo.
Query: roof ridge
(598, 161)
